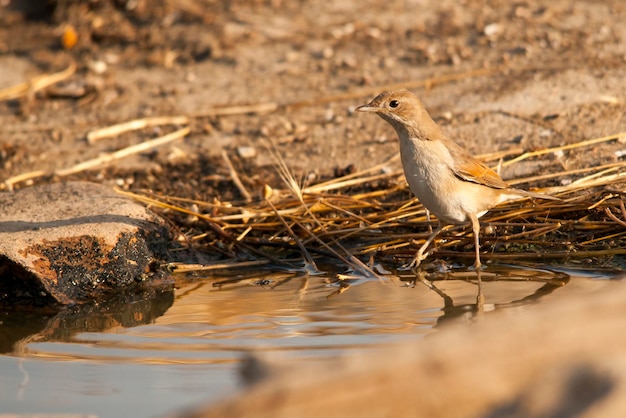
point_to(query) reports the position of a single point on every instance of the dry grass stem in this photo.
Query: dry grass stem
(427, 83)
(371, 213)
(229, 110)
(308, 259)
(580, 144)
(371, 91)
(135, 125)
(235, 177)
(235, 264)
(36, 84)
(123, 153)
(237, 110)
(100, 161)
(10, 182)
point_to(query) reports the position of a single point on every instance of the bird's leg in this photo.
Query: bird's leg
(480, 298)
(430, 227)
(419, 256)
(476, 232)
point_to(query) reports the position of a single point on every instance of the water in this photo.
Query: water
(178, 349)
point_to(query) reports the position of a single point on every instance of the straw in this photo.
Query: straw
(323, 222)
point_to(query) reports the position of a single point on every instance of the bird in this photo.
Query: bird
(450, 183)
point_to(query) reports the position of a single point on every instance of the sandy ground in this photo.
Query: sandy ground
(497, 75)
(524, 75)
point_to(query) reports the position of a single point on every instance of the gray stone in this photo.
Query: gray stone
(74, 242)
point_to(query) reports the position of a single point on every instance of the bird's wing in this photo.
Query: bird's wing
(469, 169)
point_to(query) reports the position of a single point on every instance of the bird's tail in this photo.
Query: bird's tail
(524, 193)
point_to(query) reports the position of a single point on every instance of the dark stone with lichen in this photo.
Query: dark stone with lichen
(77, 242)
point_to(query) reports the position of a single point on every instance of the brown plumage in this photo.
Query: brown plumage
(450, 183)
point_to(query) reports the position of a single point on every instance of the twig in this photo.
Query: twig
(237, 110)
(124, 152)
(273, 106)
(425, 83)
(102, 160)
(135, 125)
(593, 141)
(37, 83)
(235, 178)
(309, 262)
(188, 268)
(615, 218)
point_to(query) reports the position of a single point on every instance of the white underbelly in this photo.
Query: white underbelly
(446, 196)
(448, 207)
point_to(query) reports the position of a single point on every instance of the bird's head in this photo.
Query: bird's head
(404, 111)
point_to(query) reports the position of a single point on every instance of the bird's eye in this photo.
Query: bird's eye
(394, 103)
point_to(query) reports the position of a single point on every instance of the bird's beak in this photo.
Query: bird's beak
(367, 108)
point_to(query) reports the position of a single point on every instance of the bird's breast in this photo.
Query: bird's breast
(428, 171)
(427, 164)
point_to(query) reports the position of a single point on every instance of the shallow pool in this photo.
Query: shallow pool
(177, 349)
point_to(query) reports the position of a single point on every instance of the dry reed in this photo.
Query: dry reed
(371, 215)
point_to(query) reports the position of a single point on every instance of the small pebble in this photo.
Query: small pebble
(246, 152)
(492, 29)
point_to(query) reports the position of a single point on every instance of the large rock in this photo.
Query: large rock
(73, 242)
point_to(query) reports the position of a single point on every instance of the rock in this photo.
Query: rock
(564, 358)
(246, 152)
(68, 243)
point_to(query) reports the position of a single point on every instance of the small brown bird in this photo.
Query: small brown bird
(451, 184)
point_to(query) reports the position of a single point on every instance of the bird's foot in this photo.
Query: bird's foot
(409, 266)
(477, 266)
(419, 257)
